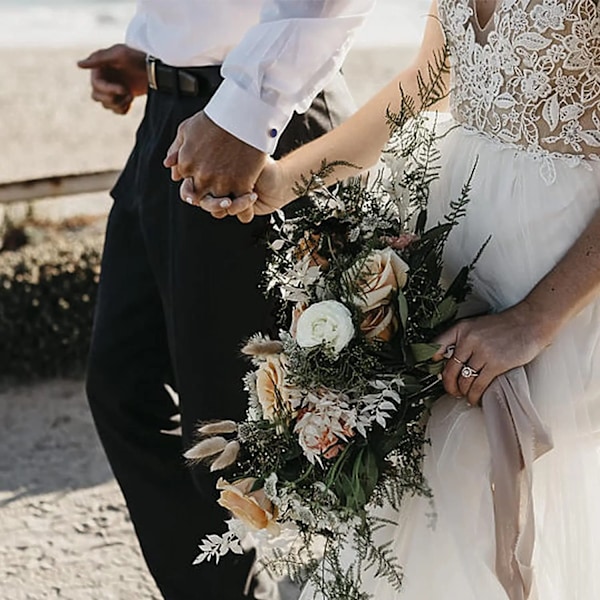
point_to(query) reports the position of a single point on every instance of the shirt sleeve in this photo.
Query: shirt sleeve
(281, 64)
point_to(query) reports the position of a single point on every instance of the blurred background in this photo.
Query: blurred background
(64, 529)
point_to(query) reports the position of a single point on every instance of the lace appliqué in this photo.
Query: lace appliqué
(530, 79)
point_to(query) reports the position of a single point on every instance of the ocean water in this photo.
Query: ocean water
(63, 23)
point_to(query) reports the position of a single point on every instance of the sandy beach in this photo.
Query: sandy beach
(64, 528)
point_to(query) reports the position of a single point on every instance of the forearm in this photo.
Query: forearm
(569, 287)
(360, 140)
(281, 64)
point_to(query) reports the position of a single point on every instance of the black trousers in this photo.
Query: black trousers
(179, 291)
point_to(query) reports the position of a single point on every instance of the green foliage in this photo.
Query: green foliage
(47, 295)
(315, 367)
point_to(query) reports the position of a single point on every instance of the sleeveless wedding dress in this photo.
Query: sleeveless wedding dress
(525, 106)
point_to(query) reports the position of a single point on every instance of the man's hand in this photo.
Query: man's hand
(118, 75)
(213, 163)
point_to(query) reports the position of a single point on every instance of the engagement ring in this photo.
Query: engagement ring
(467, 372)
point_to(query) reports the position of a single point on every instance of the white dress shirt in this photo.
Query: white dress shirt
(276, 54)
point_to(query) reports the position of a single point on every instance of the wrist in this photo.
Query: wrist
(285, 181)
(542, 324)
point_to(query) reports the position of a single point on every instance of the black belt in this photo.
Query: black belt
(188, 81)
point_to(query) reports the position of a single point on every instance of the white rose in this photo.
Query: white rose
(328, 322)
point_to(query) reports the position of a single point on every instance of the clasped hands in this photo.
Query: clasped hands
(221, 174)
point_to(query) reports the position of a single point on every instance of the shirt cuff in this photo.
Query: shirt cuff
(247, 117)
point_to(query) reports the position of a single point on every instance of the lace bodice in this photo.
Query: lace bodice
(530, 77)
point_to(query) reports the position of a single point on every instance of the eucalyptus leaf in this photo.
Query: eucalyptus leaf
(424, 352)
(371, 472)
(436, 368)
(436, 232)
(444, 311)
(403, 308)
(460, 285)
(421, 221)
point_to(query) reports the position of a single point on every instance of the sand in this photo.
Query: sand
(64, 528)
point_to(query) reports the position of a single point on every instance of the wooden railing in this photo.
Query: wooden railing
(51, 187)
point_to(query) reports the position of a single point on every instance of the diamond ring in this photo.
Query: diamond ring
(467, 372)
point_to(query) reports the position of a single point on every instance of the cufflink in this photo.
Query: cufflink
(273, 132)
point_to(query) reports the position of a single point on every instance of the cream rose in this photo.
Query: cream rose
(380, 277)
(254, 509)
(328, 323)
(271, 388)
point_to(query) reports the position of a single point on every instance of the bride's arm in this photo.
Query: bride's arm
(496, 343)
(358, 141)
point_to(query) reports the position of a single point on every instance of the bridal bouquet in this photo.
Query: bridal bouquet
(338, 401)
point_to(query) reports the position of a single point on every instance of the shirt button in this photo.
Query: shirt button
(273, 132)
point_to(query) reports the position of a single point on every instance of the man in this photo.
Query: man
(179, 291)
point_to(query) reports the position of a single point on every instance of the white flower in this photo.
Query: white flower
(328, 322)
(213, 547)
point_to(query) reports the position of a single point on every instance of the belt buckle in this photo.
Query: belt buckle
(151, 71)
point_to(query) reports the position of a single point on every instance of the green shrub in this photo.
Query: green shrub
(47, 295)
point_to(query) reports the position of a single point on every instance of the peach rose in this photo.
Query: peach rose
(273, 394)
(380, 323)
(380, 278)
(254, 509)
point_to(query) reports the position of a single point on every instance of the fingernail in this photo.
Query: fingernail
(225, 203)
(189, 200)
(253, 197)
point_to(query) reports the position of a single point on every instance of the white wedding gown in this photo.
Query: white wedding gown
(526, 102)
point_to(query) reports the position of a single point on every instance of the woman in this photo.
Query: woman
(525, 94)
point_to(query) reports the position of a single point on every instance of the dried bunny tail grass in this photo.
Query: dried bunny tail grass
(227, 457)
(258, 345)
(206, 448)
(218, 427)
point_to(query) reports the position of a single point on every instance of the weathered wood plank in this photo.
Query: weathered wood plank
(51, 187)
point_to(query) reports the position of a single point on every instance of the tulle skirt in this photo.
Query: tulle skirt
(447, 544)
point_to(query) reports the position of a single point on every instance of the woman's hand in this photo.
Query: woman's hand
(481, 348)
(273, 188)
(271, 192)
